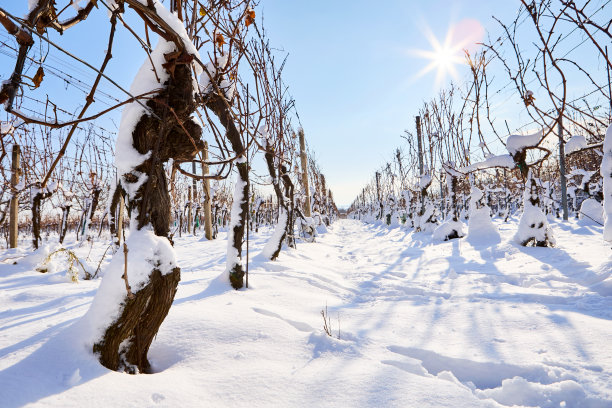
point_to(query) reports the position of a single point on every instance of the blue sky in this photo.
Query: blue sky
(352, 69)
(353, 77)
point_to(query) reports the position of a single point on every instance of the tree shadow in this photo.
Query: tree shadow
(61, 363)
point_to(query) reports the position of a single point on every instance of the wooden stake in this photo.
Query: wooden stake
(14, 209)
(307, 209)
(195, 192)
(120, 220)
(420, 146)
(207, 198)
(189, 209)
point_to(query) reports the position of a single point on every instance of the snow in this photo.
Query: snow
(274, 240)
(575, 143)
(606, 174)
(6, 128)
(424, 181)
(233, 257)
(146, 251)
(442, 232)
(481, 229)
(503, 160)
(516, 143)
(421, 323)
(591, 210)
(533, 224)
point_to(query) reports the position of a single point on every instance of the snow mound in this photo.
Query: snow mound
(576, 143)
(592, 210)
(518, 391)
(606, 174)
(516, 143)
(480, 226)
(503, 160)
(448, 230)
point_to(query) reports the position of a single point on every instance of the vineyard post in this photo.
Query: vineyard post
(14, 214)
(378, 194)
(189, 197)
(207, 198)
(120, 219)
(562, 170)
(195, 190)
(307, 210)
(420, 146)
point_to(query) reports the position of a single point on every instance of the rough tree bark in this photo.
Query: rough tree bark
(37, 198)
(219, 106)
(269, 157)
(64, 224)
(126, 341)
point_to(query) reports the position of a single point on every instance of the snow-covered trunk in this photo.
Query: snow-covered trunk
(480, 224)
(140, 283)
(115, 220)
(64, 224)
(290, 195)
(533, 227)
(236, 229)
(606, 174)
(95, 198)
(220, 107)
(275, 243)
(37, 196)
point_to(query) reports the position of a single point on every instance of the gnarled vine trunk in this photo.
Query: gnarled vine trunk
(219, 106)
(126, 341)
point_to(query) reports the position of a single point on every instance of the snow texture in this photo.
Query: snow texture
(276, 237)
(606, 174)
(575, 143)
(146, 251)
(415, 323)
(503, 160)
(533, 224)
(516, 143)
(481, 229)
(447, 228)
(233, 258)
(591, 210)
(6, 128)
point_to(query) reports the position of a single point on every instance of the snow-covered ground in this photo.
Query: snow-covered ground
(416, 323)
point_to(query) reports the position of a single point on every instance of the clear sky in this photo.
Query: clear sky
(355, 69)
(353, 72)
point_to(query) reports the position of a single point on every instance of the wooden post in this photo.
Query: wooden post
(378, 195)
(120, 219)
(420, 146)
(14, 209)
(195, 193)
(189, 209)
(207, 198)
(562, 169)
(307, 209)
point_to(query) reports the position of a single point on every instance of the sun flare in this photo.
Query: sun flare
(443, 57)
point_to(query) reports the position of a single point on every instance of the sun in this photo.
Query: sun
(443, 57)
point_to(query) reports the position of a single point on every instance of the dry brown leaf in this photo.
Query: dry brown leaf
(250, 17)
(40, 73)
(219, 40)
